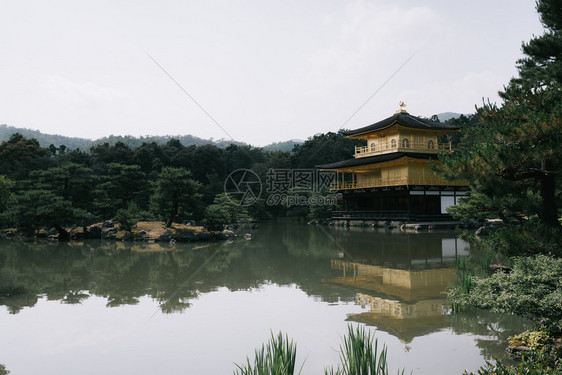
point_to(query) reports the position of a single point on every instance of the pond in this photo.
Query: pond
(113, 308)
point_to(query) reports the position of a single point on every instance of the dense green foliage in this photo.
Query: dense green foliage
(176, 193)
(324, 149)
(533, 363)
(171, 181)
(126, 219)
(511, 161)
(6, 186)
(19, 155)
(225, 209)
(34, 209)
(536, 340)
(533, 290)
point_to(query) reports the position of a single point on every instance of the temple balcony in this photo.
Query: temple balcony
(368, 183)
(402, 146)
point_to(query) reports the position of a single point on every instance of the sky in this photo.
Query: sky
(255, 71)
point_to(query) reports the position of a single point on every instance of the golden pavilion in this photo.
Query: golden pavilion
(390, 178)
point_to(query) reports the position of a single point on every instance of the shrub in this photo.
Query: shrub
(532, 290)
(126, 220)
(535, 340)
(539, 362)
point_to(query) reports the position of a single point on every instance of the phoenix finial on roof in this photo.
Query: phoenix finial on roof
(402, 106)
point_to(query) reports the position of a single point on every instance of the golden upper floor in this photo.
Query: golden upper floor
(402, 142)
(402, 132)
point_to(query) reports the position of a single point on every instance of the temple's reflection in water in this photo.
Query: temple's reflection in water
(400, 283)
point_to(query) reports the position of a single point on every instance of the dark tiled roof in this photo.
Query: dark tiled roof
(375, 159)
(404, 119)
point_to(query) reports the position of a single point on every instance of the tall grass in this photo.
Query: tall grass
(464, 275)
(277, 357)
(485, 261)
(359, 355)
(467, 272)
(465, 283)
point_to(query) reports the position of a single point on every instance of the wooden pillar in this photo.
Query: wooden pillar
(337, 180)
(409, 203)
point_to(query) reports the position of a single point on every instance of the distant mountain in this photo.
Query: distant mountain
(45, 139)
(447, 116)
(286, 146)
(84, 144)
(133, 142)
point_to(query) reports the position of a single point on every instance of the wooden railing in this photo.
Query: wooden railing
(396, 181)
(362, 151)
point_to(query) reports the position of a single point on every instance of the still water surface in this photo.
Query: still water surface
(114, 308)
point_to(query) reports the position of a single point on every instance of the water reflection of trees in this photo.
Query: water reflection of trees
(493, 329)
(402, 275)
(124, 272)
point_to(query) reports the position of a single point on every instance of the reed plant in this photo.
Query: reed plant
(464, 284)
(465, 275)
(277, 357)
(359, 355)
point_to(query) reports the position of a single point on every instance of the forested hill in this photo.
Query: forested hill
(84, 144)
(45, 139)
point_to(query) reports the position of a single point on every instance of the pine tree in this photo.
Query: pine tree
(513, 157)
(176, 193)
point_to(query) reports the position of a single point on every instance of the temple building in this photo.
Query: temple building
(391, 176)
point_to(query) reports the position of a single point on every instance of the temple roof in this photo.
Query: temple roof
(405, 119)
(376, 159)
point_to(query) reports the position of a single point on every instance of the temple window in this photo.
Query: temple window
(430, 145)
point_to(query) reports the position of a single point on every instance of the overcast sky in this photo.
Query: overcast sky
(264, 70)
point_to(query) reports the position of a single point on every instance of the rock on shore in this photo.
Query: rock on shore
(147, 231)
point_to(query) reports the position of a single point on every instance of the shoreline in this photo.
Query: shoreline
(148, 231)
